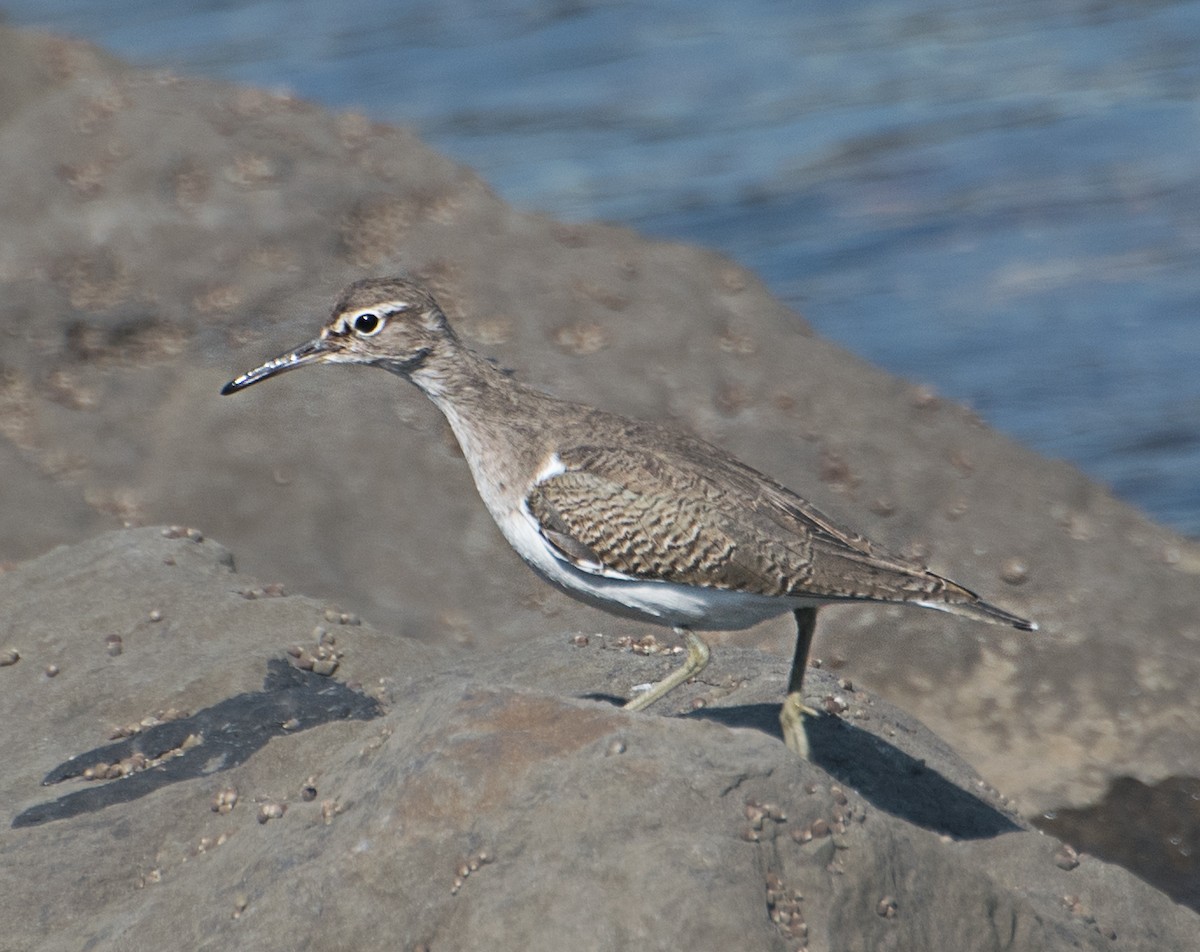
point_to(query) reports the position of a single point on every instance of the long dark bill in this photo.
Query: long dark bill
(312, 352)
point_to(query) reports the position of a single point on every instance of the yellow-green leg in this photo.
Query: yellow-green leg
(791, 717)
(696, 661)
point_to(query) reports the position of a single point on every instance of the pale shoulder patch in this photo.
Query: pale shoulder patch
(553, 466)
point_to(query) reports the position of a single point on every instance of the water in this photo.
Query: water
(1000, 199)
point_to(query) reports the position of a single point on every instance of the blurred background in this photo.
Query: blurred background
(1001, 200)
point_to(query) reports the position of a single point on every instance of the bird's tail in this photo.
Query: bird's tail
(962, 601)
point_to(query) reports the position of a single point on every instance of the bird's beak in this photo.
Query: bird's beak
(314, 352)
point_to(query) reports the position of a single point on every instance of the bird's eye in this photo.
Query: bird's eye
(367, 323)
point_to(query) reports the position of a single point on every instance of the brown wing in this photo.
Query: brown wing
(841, 564)
(692, 514)
(658, 515)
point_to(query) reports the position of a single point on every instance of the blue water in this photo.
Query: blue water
(1002, 200)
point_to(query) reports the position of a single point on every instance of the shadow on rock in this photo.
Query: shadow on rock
(214, 739)
(882, 773)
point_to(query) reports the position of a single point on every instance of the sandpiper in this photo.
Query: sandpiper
(633, 517)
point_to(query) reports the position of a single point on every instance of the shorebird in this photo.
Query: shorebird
(635, 518)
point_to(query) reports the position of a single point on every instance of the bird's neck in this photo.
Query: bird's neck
(455, 377)
(493, 416)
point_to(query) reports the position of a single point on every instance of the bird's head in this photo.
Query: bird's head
(389, 322)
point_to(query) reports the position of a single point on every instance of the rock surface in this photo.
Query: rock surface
(165, 234)
(426, 798)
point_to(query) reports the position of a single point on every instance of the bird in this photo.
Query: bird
(637, 518)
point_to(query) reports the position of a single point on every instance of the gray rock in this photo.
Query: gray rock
(174, 232)
(470, 799)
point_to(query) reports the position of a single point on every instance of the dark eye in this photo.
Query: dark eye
(367, 323)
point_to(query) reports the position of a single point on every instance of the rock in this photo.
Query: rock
(466, 799)
(175, 232)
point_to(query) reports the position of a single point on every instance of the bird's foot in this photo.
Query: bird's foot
(694, 663)
(791, 719)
